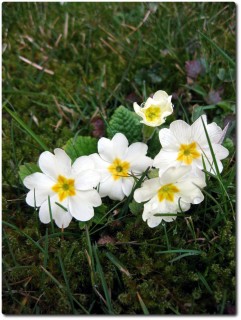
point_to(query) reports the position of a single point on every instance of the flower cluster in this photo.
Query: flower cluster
(64, 190)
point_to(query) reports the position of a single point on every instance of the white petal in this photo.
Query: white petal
(140, 165)
(137, 109)
(220, 151)
(38, 180)
(165, 159)
(100, 165)
(92, 197)
(197, 131)
(38, 196)
(136, 150)
(105, 149)
(150, 102)
(82, 163)
(161, 96)
(61, 217)
(44, 214)
(182, 131)
(147, 191)
(62, 162)
(189, 192)
(120, 145)
(80, 210)
(168, 140)
(127, 185)
(174, 174)
(47, 164)
(87, 180)
(112, 189)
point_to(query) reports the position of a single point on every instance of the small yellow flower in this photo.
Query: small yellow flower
(155, 110)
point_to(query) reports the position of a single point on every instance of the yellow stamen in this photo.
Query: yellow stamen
(167, 192)
(152, 113)
(119, 169)
(188, 152)
(64, 187)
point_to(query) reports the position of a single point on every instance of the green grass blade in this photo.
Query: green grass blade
(26, 128)
(204, 281)
(143, 306)
(117, 263)
(103, 281)
(223, 53)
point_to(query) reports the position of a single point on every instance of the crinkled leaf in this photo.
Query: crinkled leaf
(80, 146)
(126, 122)
(27, 169)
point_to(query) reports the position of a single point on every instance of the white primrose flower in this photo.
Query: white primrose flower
(117, 162)
(187, 145)
(69, 188)
(172, 192)
(155, 109)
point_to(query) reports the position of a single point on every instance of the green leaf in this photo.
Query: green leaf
(126, 122)
(136, 208)
(80, 146)
(27, 169)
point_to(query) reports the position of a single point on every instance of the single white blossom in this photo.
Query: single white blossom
(155, 109)
(172, 192)
(69, 188)
(116, 162)
(187, 145)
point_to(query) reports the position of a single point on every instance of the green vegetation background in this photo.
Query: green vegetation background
(104, 55)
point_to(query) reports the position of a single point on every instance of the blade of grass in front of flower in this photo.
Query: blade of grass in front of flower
(99, 270)
(143, 306)
(61, 287)
(117, 263)
(24, 234)
(125, 207)
(51, 216)
(204, 281)
(223, 53)
(26, 128)
(67, 284)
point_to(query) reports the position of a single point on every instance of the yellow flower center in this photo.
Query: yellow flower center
(167, 192)
(64, 187)
(188, 152)
(152, 113)
(119, 169)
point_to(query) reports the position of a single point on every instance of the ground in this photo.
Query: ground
(89, 59)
